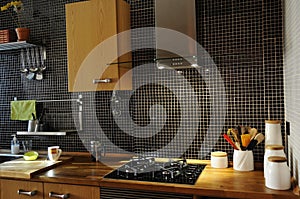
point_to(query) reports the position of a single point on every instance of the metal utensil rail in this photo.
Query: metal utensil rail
(78, 100)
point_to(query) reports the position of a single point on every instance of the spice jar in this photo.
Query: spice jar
(272, 150)
(278, 173)
(219, 159)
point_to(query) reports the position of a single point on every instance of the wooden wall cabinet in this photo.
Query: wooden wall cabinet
(90, 26)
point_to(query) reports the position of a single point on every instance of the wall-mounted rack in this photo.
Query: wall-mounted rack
(16, 45)
(78, 101)
(41, 133)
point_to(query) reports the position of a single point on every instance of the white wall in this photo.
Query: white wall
(292, 79)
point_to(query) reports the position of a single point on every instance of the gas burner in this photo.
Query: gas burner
(147, 169)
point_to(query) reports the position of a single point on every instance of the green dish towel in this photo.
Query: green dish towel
(22, 109)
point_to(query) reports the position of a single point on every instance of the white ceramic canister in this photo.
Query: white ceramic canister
(219, 159)
(273, 132)
(243, 160)
(278, 176)
(272, 150)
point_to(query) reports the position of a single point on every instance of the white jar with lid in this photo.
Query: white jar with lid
(273, 132)
(278, 174)
(272, 150)
(219, 159)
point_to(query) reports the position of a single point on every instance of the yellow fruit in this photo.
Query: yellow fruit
(31, 155)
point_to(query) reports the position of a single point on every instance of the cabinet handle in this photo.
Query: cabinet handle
(27, 193)
(56, 195)
(96, 81)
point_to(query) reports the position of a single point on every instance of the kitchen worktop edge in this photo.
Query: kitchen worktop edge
(81, 171)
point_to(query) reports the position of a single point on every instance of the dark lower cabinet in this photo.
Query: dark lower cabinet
(116, 193)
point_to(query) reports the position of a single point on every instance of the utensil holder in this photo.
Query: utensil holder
(243, 160)
(27, 145)
(32, 125)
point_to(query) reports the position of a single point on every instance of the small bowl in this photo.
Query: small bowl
(31, 155)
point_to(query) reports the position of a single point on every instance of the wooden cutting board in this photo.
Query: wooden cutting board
(21, 168)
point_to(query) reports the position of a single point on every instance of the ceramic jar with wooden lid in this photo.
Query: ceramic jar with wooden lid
(278, 173)
(219, 159)
(272, 150)
(273, 132)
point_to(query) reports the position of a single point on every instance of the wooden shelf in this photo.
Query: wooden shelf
(16, 45)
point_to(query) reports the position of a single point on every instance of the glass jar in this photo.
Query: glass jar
(97, 151)
(93, 151)
(278, 174)
(272, 150)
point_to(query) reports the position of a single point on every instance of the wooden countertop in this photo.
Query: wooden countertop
(226, 183)
(83, 171)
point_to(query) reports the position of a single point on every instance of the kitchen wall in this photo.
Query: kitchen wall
(292, 80)
(243, 38)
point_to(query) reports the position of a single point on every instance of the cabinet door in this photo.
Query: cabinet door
(74, 191)
(88, 24)
(11, 189)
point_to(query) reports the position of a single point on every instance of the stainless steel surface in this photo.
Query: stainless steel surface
(56, 195)
(10, 155)
(96, 81)
(177, 15)
(34, 67)
(39, 75)
(43, 58)
(27, 193)
(15, 45)
(41, 133)
(22, 60)
(32, 125)
(30, 75)
(40, 66)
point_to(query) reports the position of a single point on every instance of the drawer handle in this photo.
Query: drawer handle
(27, 193)
(56, 195)
(96, 81)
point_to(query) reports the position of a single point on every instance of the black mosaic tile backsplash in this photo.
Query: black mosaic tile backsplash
(243, 38)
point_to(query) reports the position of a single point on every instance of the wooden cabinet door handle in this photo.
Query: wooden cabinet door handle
(96, 81)
(56, 195)
(27, 193)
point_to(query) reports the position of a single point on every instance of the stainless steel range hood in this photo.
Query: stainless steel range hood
(177, 15)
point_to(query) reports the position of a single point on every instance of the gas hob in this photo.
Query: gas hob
(148, 169)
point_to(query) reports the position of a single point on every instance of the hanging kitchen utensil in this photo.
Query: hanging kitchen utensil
(33, 67)
(39, 74)
(30, 75)
(43, 58)
(22, 60)
(37, 57)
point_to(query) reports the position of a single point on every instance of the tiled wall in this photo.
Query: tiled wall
(47, 25)
(244, 39)
(292, 80)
